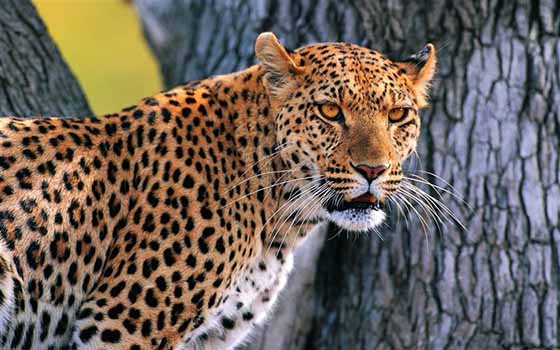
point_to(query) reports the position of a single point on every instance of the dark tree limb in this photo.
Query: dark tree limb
(34, 79)
(492, 133)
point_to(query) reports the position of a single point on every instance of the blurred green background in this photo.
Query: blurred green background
(102, 42)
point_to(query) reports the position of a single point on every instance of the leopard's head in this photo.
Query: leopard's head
(346, 119)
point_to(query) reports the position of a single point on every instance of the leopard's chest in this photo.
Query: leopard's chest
(246, 303)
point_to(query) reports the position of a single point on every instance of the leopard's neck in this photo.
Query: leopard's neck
(263, 177)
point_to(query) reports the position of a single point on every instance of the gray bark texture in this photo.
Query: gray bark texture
(34, 79)
(492, 134)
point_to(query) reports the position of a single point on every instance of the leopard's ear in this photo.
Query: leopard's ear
(281, 72)
(420, 69)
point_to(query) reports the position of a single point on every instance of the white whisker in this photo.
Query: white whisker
(258, 175)
(425, 206)
(279, 149)
(434, 203)
(266, 188)
(306, 215)
(279, 224)
(437, 189)
(288, 205)
(400, 196)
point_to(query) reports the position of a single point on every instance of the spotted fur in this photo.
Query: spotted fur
(171, 224)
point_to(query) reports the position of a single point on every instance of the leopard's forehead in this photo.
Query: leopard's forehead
(357, 76)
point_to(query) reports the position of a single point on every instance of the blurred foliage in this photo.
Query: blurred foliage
(102, 42)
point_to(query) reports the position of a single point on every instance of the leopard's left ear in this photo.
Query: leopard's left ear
(281, 72)
(420, 69)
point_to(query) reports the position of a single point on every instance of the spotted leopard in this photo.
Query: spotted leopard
(171, 224)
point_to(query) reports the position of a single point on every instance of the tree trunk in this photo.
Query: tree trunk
(34, 79)
(491, 133)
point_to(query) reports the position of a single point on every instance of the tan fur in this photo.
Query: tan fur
(421, 78)
(282, 73)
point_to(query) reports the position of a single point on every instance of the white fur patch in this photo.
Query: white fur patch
(359, 220)
(7, 288)
(255, 292)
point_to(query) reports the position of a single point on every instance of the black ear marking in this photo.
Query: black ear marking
(420, 69)
(424, 53)
(420, 58)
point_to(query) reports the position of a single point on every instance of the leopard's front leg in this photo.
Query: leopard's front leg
(11, 293)
(247, 306)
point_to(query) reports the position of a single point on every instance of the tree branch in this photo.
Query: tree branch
(34, 79)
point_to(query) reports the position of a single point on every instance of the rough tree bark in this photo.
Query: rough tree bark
(492, 133)
(34, 79)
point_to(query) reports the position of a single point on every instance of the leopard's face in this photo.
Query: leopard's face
(347, 117)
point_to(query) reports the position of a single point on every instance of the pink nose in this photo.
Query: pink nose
(371, 172)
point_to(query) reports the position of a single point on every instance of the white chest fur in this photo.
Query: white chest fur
(249, 301)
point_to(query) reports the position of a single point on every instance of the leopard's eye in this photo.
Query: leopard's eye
(331, 111)
(398, 114)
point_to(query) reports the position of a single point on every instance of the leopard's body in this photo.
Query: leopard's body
(171, 224)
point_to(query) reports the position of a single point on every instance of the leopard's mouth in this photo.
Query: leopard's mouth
(360, 214)
(366, 201)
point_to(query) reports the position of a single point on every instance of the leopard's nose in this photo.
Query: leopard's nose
(370, 173)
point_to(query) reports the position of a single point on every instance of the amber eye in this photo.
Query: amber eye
(398, 114)
(331, 111)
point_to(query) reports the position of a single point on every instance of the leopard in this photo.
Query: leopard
(172, 224)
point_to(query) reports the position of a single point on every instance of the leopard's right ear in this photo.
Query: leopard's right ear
(281, 72)
(420, 68)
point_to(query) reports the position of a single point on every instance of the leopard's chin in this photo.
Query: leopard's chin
(361, 214)
(358, 220)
